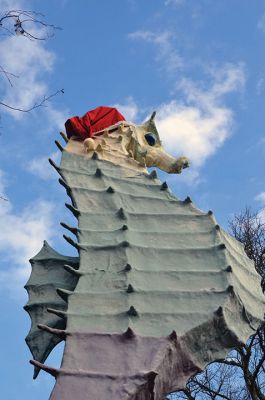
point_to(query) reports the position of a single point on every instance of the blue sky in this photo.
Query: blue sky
(199, 63)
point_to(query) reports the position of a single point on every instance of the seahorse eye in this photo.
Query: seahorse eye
(150, 138)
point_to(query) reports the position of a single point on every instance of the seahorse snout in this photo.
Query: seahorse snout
(180, 164)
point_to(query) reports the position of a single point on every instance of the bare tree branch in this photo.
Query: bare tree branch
(27, 24)
(240, 376)
(3, 198)
(249, 228)
(7, 75)
(22, 22)
(36, 105)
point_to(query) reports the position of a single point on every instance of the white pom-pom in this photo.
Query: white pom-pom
(89, 144)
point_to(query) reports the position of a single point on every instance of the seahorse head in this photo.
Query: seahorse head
(125, 143)
(146, 145)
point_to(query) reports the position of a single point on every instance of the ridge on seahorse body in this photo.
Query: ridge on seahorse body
(158, 290)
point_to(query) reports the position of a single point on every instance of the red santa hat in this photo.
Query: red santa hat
(93, 121)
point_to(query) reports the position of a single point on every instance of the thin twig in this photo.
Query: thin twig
(3, 198)
(36, 105)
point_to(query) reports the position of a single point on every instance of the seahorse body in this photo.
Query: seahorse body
(160, 290)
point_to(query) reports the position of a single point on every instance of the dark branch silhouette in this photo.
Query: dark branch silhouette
(3, 198)
(22, 22)
(25, 23)
(249, 228)
(238, 377)
(41, 103)
(242, 375)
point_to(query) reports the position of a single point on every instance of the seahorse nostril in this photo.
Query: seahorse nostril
(179, 164)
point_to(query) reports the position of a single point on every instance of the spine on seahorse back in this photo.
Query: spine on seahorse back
(149, 264)
(103, 354)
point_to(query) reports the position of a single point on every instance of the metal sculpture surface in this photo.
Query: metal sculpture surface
(158, 290)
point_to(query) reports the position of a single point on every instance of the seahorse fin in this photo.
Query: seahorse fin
(47, 274)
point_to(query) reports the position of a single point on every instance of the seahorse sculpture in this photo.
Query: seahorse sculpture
(158, 290)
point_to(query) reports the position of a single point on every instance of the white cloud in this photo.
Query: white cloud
(174, 2)
(56, 118)
(261, 198)
(260, 85)
(6, 5)
(2, 183)
(199, 123)
(128, 109)
(166, 51)
(21, 237)
(262, 141)
(149, 36)
(40, 166)
(28, 60)
(198, 126)
(261, 23)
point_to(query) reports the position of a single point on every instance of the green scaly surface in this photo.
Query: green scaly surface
(180, 271)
